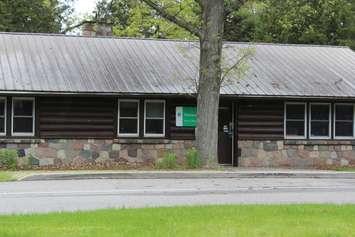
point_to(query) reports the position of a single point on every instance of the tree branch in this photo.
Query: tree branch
(173, 18)
(241, 60)
(70, 28)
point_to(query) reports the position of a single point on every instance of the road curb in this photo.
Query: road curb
(190, 175)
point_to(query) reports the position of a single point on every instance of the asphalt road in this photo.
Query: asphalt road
(71, 195)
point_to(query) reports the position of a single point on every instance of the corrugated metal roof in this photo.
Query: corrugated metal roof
(69, 64)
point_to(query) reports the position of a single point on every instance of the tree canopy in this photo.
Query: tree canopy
(133, 19)
(287, 21)
(307, 22)
(48, 16)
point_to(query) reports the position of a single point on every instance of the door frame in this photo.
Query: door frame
(231, 107)
(235, 147)
(233, 132)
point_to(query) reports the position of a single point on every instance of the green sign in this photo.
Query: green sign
(185, 116)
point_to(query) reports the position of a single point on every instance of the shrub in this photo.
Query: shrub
(168, 161)
(8, 158)
(32, 161)
(193, 159)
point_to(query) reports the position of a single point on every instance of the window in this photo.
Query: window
(128, 118)
(319, 120)
(343, 120)
(2, 116)
(295, 120)
(154, 118)
(23, 111)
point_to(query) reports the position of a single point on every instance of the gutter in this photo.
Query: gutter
(192, 95)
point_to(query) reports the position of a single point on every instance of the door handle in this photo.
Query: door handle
(228, 129)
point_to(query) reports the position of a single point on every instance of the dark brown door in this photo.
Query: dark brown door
(225, 135)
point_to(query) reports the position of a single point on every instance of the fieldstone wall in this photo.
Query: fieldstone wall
(137, 153)
(297, 153)
(94, 153)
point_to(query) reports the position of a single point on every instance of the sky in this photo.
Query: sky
(83, 7)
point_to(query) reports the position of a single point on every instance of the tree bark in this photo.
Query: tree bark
(211, 41)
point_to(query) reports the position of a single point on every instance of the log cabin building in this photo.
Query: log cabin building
(80, 102)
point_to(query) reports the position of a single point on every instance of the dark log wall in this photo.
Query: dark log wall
(179, 132)
(76, 117)
(95, 117)
(259, 120)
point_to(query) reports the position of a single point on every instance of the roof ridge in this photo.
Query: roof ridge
(171, 40)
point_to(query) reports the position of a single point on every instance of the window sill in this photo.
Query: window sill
(320, 142)
(142, 141)
(19, 141)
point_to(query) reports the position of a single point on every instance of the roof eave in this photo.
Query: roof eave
(140, 94)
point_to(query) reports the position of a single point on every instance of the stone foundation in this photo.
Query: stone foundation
(297, 154)
(94, 153)
(138, 153)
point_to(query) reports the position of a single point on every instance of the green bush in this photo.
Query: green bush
(193, 159)
(8, 158)
(168, 162)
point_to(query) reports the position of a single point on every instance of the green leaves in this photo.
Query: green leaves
(133, 18)
(45, 16)
(8, 158)
(288, 21)
(306, 22)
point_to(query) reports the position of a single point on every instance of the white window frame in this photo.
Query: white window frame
(310, 121)
(305, 120)
(334, 121)
(145, 118)
(5, 116)
(118, 119)
(23, 134)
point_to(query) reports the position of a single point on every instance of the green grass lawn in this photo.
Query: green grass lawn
(249, 220)
(347, 169)
(6, 176)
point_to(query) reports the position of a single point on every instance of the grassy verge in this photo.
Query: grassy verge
(6, 176)
(248, 220)
(348, 169)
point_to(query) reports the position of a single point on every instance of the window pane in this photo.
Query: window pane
(320, 129)
(295, 128)
(295, 111)
(320, 112)
(128, 109)
(344, 129)
(155, 110)
(2, 107)
(128, 126)
(344, 112)
(2, 125)
(154, 126)
(23, 107)
(23, 125)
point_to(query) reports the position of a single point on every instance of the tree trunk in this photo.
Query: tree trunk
(209, 81)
